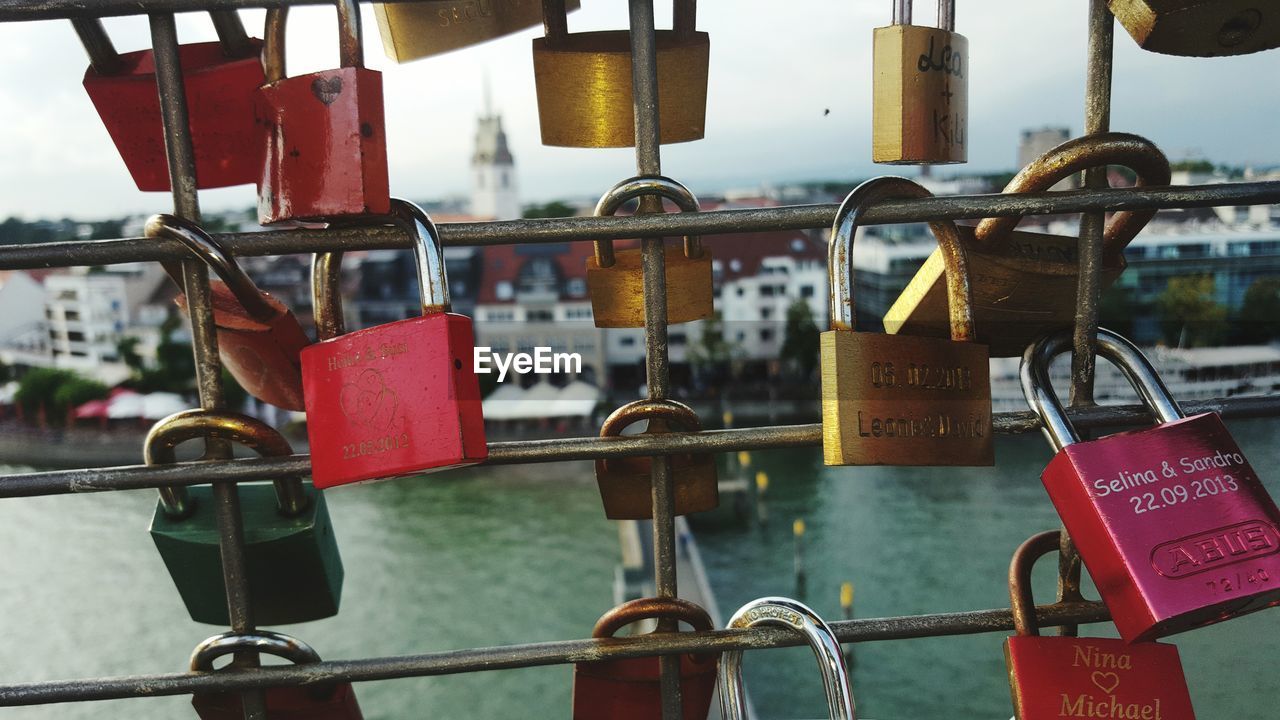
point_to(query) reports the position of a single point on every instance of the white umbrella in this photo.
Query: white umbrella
(125, 405)
(505, 403)
(161, 405)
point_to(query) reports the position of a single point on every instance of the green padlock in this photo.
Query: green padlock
(295, 572)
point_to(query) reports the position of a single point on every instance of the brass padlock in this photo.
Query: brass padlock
(626, 483)
(920, 90)
(615, 279)
(896, 399)
(1024, 283)
(1202, 28)
(430, 27)
(584, 82)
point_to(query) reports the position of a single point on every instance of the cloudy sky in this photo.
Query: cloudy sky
(776, 69)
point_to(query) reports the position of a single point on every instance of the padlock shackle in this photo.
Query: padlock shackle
(428, 255)
(1111, 148)
(231, 34)
(1024, 559)
(947, 15)
(555, 20)
(350, 39)
(669, 411)
(326, 295)
(795, 615)
(216, 257)
(642, 186)
(840, 255)
(259, 641)
(901, 12)
(166, 435)
(105, 60)
(684, 18)
(1037, 386)
(650, 609)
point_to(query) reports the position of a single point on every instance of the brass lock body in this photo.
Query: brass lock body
(1024, 283)
(615, 278)
(421, 29)
(1200, 28)
(584, 84)
(626, 484)
(920, 91)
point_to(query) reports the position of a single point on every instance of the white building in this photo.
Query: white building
(87, 315)
(24, 335)
(494, 194)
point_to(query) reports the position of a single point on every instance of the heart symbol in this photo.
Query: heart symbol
(368, 401)
(1107, 682)
(327, 89)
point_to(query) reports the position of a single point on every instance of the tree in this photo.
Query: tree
(77, 391)
(1116, 309)
(1197, 166)
(56, 391)
(711, 354)
(800, 343)
(1259, 318)
(1189, 316)
(553, 209)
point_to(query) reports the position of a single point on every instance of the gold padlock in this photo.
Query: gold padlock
(413, 30)
(584, 82)
(920, 90)
(1024, 283)
(1201, 28)
(896, 399)
(626, 483)
(615, 279)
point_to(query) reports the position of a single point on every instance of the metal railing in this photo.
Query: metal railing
(649, 224)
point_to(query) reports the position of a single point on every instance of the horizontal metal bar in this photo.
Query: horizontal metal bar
(11, 10)
(533, 654)
(793, 217)
(136, 477)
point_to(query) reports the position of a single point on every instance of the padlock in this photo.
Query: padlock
(259, 339)
(583, 82)
(1024, 283)
(333, 701)
(324, 133)
(1084, 677)
(920, 90)
(1171, 521)
(219, 79)
(615, 279)
(626, 483)
(291, 554)
(629, 688)
(898, 399)
(793, 615)
(416, 30)
(396, 399)
(1202, 28)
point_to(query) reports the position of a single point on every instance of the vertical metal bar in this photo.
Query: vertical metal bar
(555, 21)
(684, 18)
(1097, 111)
(901, 12)
(644, 83)
(182, 177)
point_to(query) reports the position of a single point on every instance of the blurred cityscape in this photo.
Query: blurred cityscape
(105, 347)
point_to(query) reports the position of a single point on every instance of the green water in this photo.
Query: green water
(509, 555)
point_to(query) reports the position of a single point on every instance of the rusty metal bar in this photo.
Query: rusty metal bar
(509, 232)
(533, 654)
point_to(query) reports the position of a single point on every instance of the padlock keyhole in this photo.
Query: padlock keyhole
(1239, 28)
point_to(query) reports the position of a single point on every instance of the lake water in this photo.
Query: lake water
(518, 554)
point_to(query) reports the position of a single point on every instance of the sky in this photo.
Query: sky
(789, 99)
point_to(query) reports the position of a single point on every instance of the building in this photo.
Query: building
(494, 195)
(24, 332)
(86, 315)
(1039, 141)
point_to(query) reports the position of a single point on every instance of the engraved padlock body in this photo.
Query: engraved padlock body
(897, 399)
(626, 484)
(397, 399)
(324, 132)
(630, 688)
(1199, 28)
(411, 31)
(1171, 521)
(1024, 283)
(1055, 677)
(920, 93)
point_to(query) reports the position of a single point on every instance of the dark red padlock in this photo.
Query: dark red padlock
(220, 78)
(1171, 521)
(631, 687)
(396, 399)
(259, 339)
(336, 701)
(324, 133)
(1085, 677)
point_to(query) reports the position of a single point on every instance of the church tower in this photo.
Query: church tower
(493, 178)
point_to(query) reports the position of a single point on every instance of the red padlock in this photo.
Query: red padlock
(1074, 677)
(631, 687)
(336, 701)
(259, 339)
(324, 133)
(1171, 521)
(397, 399)
(220, 79)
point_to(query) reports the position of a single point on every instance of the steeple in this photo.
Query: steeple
(493, 190)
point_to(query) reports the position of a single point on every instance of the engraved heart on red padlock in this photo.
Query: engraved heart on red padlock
(1107, 682)
(368, 401)
(327, 89)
